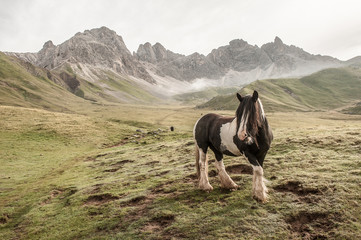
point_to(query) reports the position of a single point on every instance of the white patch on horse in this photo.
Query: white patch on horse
(261, 106)
(227, 132)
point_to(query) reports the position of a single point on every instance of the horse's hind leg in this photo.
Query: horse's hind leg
(203, 169)
(226, 181)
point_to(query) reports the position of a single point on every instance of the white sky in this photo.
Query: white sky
(327, 27)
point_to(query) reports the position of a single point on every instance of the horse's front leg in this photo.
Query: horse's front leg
(226, 181)
(259, 189)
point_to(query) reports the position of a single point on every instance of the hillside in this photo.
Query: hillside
(325, 90)
(24, 85)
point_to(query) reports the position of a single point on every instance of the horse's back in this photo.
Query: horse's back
(209, 121)
(207, 126)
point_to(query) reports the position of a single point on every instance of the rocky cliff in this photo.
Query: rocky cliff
(100, 47)
(236, 60)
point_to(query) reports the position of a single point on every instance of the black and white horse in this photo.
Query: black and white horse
(248, 133)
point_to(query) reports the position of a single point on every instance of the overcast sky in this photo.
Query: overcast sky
(327, 27)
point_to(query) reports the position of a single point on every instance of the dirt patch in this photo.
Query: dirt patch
(94, 189)
(111, 170)
(162, 173)
(190, 143)
(59, 193)
(157, 225)
(152, 163)
(100, 199)
(296, 187)
(152, 227)
(240, 169)
(163, 189)
(164, 220)
(314, 225)
(192, 176)
(134, 201)
(122, 162)
(141, 205)
(118, 165)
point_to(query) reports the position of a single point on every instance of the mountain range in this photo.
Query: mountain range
(97, 64)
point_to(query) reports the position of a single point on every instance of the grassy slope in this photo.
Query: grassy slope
(94, 177)
(113, 88)
(355, 109)
(325, 90)
(18, 87)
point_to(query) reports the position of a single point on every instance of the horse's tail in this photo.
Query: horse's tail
(197, 161)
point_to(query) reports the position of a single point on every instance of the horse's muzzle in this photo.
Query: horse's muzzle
(244, 137)
(248, 140)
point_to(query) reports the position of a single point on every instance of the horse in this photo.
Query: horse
(248, 134)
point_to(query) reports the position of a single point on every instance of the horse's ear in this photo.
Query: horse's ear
(240, 98)
(255, 96)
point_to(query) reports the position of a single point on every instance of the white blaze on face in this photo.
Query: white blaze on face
(242, 131)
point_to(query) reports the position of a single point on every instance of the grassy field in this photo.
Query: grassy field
(117, 172)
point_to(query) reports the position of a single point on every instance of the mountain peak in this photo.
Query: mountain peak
(48, 44)
(278, 41)
(238, 43)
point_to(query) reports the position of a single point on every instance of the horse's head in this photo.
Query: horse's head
(250, 117)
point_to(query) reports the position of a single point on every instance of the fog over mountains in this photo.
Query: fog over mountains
(160, 71)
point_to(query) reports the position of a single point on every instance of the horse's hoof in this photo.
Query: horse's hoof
(262, 198)
(231, 186)
(206, 188)
(234, 188)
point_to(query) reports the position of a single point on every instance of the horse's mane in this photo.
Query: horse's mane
(254, 110)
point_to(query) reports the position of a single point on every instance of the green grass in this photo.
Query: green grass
(94, 176)
(22, 84)
(104, 170)
(325, 90)
(126, 86)
(32, 88)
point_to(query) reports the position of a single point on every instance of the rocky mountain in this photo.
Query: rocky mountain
(176, 65)
(100, 57)
(236, 63)
(100, 48)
